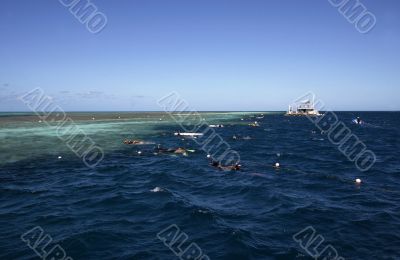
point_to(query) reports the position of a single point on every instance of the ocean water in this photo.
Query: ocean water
(116, 210)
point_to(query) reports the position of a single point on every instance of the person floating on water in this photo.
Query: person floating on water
(235, 167)
(255, 124)
(178, 150)
(131, 142)
(215, 164)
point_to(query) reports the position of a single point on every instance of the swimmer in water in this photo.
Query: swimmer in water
(255, 124)
(215, 164)
(358, 120)
(218, 165)
(179, 150)
(130, 142)
(235, 167)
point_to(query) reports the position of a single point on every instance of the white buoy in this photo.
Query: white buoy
(277, 165)
(208, 156)
(139, 152)
(59, 157)
(358, 181)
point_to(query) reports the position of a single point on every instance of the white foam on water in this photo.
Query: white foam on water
(157, 189)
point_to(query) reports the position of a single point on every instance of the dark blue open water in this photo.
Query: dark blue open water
(110, 212)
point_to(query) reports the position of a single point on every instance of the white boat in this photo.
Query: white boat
(188, 134)
(303, 108)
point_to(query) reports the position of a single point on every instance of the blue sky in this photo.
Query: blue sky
(218, 54)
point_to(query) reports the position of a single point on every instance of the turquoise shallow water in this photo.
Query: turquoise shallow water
(113, 211)
(25, 136)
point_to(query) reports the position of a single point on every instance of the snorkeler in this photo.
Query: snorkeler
(235, 167)
(256, 124)
(215, 164)
(133, 142)
(179, 150)
(218, 165)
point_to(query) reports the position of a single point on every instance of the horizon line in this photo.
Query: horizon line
(200, 111)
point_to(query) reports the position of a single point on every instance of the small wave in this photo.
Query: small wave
(157, 189)
(201, 211)
(318, 139)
